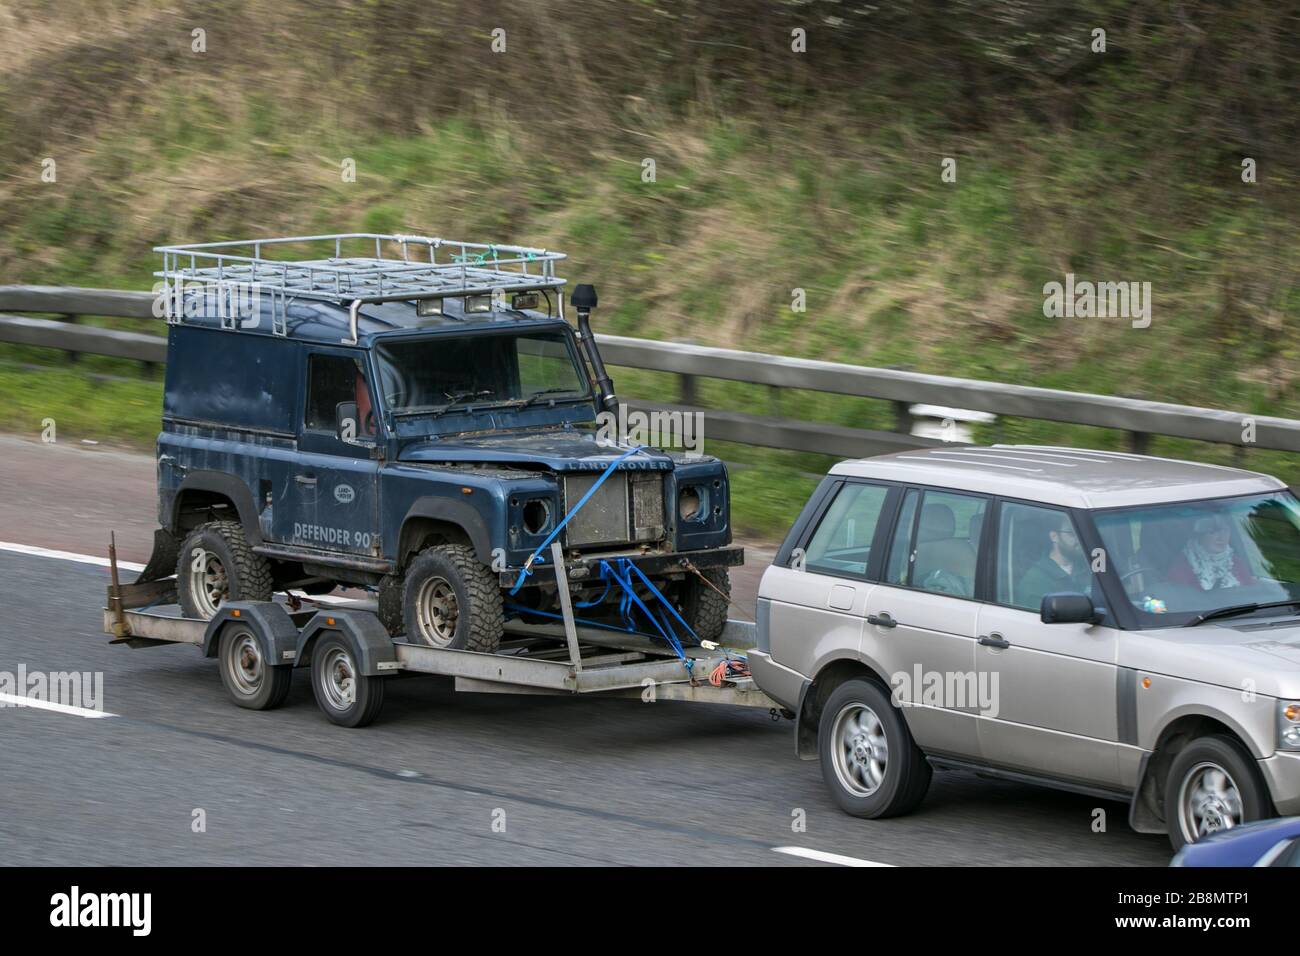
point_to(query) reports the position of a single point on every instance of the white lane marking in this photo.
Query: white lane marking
(822, 857)
(18, 700)
(132, 566)
(67, 556)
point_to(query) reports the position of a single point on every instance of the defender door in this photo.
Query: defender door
(331, 497)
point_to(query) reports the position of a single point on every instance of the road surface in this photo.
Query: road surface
(441, 778)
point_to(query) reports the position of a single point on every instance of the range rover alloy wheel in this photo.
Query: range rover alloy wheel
(869, 760)
(1213, 785)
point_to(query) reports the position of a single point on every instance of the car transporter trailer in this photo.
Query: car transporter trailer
(351, 655)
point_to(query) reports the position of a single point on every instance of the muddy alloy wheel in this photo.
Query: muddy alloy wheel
(216, 565)
(438, 611)
(451, 600)
(209, 583)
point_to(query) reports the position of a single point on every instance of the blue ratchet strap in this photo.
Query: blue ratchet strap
(630, 597)
(527, 570)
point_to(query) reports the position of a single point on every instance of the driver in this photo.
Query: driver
(1208, 562)
(1063, 568)
(365, 413)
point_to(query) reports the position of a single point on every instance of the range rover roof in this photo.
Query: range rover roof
(1072, 477)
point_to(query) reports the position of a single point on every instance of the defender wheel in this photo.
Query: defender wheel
(703, 608)
(450, 600)
(343, 693)
(249, 678)
(216, 564)
(1212, 785)
(869, 760)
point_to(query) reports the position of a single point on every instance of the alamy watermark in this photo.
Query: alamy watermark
(654, 429)
(950, 690)
(1102, 300)
(82, 689)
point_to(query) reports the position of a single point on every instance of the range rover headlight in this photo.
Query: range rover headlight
(1288, 724)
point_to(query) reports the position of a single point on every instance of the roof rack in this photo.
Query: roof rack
(417, 267)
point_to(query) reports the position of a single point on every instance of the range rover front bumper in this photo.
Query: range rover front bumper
(1282, 773)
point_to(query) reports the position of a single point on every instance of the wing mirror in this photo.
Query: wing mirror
(345, 421)
(1068, 607)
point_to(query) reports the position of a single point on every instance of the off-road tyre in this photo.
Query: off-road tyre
(703, 608)
(248, 576)
(474, 622)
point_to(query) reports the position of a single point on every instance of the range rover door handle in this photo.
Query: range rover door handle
(994, 640)
(305, 479)
(881, 620)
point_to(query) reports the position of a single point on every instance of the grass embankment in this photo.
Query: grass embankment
(834, 192)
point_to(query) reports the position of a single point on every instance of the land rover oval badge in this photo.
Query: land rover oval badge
(344, 494)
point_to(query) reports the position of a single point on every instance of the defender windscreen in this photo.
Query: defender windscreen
(433, 374)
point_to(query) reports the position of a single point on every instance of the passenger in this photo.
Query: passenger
(1208, 562)
(1063, 568)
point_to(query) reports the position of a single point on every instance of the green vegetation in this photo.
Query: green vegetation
(774, 172)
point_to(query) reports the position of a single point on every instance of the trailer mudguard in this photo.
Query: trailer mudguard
(269, 621)
(370, 640)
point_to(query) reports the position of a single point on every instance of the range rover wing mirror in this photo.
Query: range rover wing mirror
(1068, 607)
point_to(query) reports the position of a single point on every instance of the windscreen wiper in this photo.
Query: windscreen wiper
(535, 396)
(456, 399)
(1236, 609)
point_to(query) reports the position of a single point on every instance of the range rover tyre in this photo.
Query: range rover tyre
(1213, 785)
(450, 600)
(869, 760)
(249, 678)
(703, 608)
(216, 564)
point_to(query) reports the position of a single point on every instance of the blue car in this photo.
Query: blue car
(1265, 843)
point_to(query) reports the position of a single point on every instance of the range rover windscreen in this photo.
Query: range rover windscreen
(1193, 561)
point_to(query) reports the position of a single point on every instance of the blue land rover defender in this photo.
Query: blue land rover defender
(419, 419)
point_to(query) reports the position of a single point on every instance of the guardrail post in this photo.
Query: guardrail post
(1138, 442)
(68, 317)
(903, 418)
(686, 389)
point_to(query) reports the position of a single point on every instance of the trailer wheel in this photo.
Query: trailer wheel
(345, 695)
(703, 608)
(249, 678)
(215, 565)
(450, 600)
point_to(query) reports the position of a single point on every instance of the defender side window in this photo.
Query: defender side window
(332, 379)
(842, 542)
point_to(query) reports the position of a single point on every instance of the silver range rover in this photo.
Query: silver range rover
(1112, 624)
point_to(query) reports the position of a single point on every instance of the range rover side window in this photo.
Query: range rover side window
(1038, 553)
(948, 542)
(899, 566)
(842, 542)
